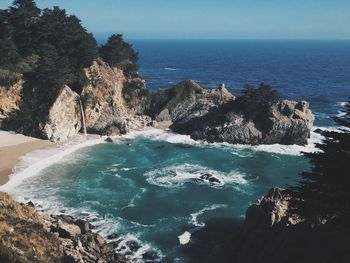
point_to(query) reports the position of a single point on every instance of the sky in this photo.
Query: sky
(213, 19)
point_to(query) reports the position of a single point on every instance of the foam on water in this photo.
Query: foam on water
(194, 216)
(178, 175)
(185, 238)
(171, 137)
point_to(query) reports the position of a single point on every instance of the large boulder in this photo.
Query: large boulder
(64, 119)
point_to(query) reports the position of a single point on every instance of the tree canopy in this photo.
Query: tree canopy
(118, 53)
(323, 192)
(255, 101)
(57, 42)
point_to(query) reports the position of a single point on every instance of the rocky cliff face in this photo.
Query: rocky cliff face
(114, 103)
(106, 109)
(186, 98)
(271, 234)
(26, 236)
(10, 99)
(64, 119)
(287, 122)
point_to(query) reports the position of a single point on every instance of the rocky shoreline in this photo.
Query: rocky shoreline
(29, 236)
(271, 233)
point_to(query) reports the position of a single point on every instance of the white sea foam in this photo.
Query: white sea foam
(343, 103)
(34, 162)
(171, 69)
(178, 175)
(171, 137)
(185, 238)
(194, 216)
(134, 256)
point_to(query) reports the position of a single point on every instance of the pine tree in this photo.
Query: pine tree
(23, 17)
(118, 53)
(323, 192)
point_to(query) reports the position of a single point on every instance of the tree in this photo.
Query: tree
(23, 18)
(323, 192)
(117, 53)
(254, 102)
(65, 49)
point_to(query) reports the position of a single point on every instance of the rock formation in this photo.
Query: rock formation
(287, 122)
(26, 236)
(106, 109)
(185, 98)
(10, 98)
(64, 119)
(115, 103)
(271, 233)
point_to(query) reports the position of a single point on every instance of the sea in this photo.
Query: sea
(146, 186)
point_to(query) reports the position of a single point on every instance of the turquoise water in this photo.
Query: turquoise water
(146, 189)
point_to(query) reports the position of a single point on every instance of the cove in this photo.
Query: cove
(145, 189)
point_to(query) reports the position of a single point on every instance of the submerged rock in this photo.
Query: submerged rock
(109, 139)
(209, 178)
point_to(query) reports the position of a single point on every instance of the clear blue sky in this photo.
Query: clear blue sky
(262, 19)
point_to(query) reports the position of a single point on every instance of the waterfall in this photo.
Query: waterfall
(83, 116)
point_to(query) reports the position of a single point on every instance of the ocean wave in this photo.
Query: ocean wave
(129, 245)
(34, 162)
(174, 138)
(171, 69)
(178, 175)
(343, 103)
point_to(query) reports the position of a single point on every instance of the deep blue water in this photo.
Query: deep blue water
(146, 187)
(316, 71)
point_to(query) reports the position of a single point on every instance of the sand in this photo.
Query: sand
(13, 146)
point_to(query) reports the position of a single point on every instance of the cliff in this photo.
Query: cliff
(105, 107)
(114, 103)
(271, 234)
(59, 117)
(26, 236)
(285, 122)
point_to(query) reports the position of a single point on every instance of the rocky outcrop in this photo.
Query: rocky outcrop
(171, 104)
(106, 110)
(287, 122)
(271, 234)
(64, 119)
(26, 236)
(10, 99)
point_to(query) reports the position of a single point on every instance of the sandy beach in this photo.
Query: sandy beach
(13, 146)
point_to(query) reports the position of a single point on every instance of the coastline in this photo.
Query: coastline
(12, 147)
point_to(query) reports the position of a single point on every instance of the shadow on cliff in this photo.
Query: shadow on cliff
(214, 242)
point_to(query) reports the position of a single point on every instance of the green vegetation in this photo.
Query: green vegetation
(117, 53)
(323, 192)
(254, 102)
(49, 48)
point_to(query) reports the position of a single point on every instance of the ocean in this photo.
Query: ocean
(146, 186)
